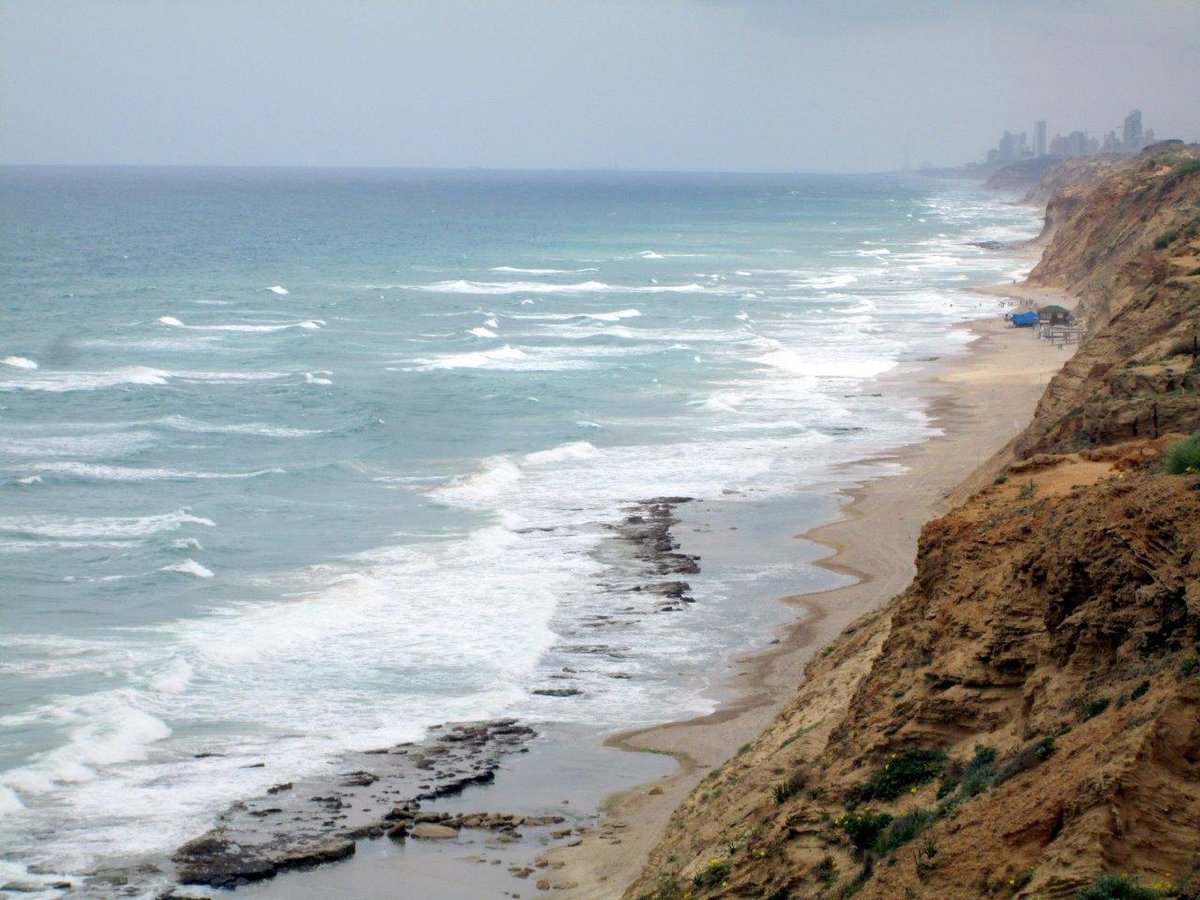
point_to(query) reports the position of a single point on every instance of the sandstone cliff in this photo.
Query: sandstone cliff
(1025, 717)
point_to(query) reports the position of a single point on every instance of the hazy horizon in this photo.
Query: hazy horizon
(677, 85)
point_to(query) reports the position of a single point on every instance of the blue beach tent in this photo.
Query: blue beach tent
(1024, 319)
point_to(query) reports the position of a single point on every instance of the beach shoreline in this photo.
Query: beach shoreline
(872, 541)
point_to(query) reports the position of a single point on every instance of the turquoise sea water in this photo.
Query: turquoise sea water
(293, 462)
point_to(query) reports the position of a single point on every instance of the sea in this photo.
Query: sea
(296, 462)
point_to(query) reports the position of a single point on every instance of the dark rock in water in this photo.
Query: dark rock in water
(649, 533)
(432, 831)
(990, 245)
(556, 692)
(318, 820)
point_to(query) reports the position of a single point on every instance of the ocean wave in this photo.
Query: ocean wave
(18, 362)
(501, 473)
(722, 401)
(307, 325)
(66, 528)
(461, 286)
(89, 445)
(276, 289)
(520, 271)
(96, 472)
(188, 567)
(613, 316)
(561, 453)
(477, 360)
(103, 730)
(482, 332)
(616, 316)
(63, 382)
(260, 429)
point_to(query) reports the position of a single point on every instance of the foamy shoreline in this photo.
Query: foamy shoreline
(873, 540)
(979, 402)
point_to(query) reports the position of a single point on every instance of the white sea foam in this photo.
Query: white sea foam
(826, 365)
(30, 480)
(650, 254)
(67, 528)
(482, 332)
(188, 567)
(318, 377)
(10, 803)
(19, 362)
(723, 401)
(477, 360)
(173, 677)
(277, 289)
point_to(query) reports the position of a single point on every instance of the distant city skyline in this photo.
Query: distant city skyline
(1014, 146)
(716, 85)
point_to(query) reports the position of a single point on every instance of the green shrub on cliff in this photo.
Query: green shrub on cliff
(901, 772)
(713, 874)
(790, 788)
(1117, 887)
(1184, 456)
(902, 830)
(863, 828)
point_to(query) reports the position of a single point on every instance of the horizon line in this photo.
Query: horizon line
(610, 170)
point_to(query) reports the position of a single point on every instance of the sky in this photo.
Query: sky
(710, 85)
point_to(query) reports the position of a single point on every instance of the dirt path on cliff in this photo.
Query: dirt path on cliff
(979, 402)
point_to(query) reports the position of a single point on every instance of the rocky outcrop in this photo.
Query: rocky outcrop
(1025, 717)
(306, 823)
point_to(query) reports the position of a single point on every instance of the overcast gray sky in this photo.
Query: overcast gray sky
(750, 85)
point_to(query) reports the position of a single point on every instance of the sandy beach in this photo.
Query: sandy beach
(979, 402)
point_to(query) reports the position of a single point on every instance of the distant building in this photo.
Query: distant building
(1131, 134)
(1039, 137)
(1075, 144)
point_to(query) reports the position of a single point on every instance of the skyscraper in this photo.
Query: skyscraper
(1039, 137)
(1132, 133)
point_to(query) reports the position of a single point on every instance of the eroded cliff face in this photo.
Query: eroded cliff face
(1026, 715)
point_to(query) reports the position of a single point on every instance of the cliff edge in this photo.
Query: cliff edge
(1024, 719)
